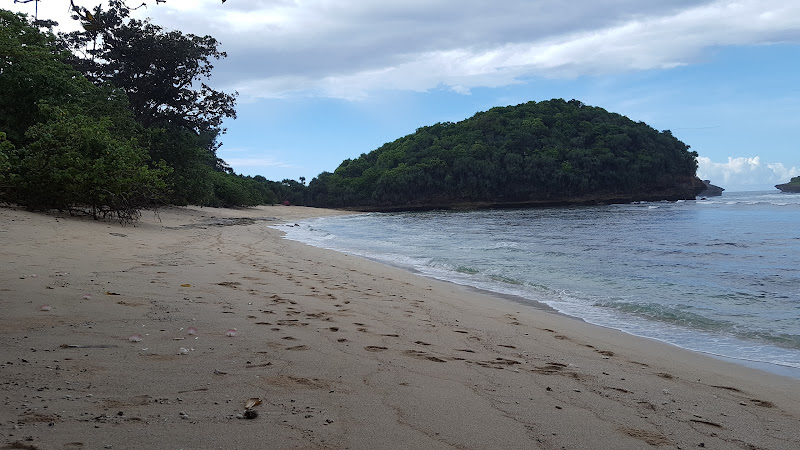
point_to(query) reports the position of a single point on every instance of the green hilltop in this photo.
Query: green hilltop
(547, 153)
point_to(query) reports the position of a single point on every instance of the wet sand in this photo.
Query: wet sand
(342, 352)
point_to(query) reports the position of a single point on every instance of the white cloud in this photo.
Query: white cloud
(314, 48)
(743, 173)
(290, 48)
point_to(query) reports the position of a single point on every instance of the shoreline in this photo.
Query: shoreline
(767, 367)
(343, 352)
(770, 368)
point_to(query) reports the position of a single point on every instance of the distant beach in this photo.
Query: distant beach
(158, 335)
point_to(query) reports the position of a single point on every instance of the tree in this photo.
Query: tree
(164, 75)
(31, 71)
(73, 146)
(163, 72)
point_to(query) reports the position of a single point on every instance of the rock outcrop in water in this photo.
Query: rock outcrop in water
(710, 190)
(791, 186)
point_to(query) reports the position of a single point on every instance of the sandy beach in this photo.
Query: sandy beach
(156, 335)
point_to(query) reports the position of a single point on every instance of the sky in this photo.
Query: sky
(321, 81)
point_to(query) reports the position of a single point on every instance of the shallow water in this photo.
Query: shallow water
(720, 275)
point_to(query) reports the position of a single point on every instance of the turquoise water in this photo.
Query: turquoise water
(720, 276)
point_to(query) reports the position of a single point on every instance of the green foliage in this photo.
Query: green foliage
(191, 180)
(71, 145)
(31, 71)
(5, 163)
(75, 162)
(231, 190)
(198, 177)
(158, 69)
(290, 191)
(534, 152)
(135, 124)
(163, 74)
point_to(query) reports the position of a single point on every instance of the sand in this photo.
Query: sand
(95, 322)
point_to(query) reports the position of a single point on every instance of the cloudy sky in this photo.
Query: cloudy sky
(321, 81)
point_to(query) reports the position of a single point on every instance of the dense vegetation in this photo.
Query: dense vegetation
(535, 153)
(114, 118)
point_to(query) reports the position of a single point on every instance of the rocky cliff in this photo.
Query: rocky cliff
(791, 186)
(710, 190)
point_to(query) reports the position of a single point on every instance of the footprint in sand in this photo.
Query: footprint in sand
(417, 354)
(727, 388)
(514, 320)
(505, 361)
(254, 366)
(653, 438)
(297, 382)
(706, 422)
(625, 391)
(291, 322)
(375, 348)
(550, 368)
(762, 403)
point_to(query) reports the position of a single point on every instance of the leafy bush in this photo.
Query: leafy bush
(75, 162)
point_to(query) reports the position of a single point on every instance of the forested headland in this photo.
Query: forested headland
(120, 116)
(546, 153)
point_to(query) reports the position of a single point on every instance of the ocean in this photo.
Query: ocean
(719, 275)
